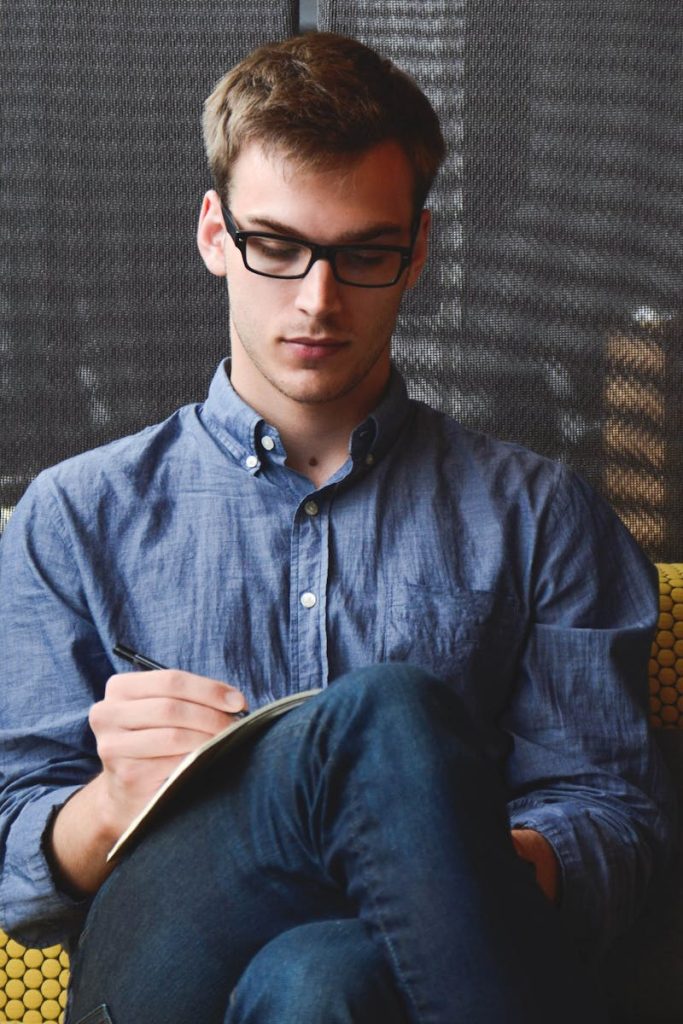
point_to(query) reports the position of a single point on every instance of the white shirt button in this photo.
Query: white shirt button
(370, 460)
(251, 462)
(311, 508)
(308, 599)
(268, 443)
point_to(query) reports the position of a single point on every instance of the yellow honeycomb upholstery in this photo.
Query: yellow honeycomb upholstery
(33, 981)
(666, 663)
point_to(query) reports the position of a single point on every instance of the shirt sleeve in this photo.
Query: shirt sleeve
(583, 769)
(53, 668)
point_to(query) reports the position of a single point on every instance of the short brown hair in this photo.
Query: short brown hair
(320, 97)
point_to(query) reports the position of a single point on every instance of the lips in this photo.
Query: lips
(324, 342)
(315, 348)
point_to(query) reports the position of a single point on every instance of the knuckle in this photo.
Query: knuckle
(105, 749)
(174, 713)
(95, 715)
(113, 687)
(168, 709)
(176, 682)
(176, 739)
(100, 720)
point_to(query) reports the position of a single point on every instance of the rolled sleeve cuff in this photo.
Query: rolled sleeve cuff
(584, 906)
(564, 850)
(34, 910)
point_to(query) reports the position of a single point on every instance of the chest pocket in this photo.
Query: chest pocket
(469, 637)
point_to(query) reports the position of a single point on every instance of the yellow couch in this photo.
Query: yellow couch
(33, 982)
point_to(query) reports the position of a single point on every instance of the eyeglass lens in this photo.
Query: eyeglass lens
(291, 259)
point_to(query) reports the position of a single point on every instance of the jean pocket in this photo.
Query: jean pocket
(100, 1015)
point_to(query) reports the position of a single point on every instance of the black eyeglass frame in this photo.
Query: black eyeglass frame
(318, 252)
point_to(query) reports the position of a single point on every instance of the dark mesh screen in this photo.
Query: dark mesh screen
(553, 310)
(108, 318)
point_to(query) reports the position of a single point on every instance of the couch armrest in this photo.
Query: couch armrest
(666, 661)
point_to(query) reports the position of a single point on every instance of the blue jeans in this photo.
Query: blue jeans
(354, 864)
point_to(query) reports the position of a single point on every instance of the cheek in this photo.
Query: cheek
(252, 303)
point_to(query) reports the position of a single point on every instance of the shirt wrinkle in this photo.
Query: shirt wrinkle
(195, 544)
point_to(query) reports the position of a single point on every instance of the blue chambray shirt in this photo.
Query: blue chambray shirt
(194, 543)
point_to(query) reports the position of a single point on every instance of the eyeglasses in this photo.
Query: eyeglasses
(364, 266)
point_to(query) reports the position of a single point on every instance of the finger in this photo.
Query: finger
(176, 684)
(157, 712)
(147, 744)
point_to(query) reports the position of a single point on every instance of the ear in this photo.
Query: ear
(211, 234)
(420, 250)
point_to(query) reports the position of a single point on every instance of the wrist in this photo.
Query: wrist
(79, 838)
(534, 848)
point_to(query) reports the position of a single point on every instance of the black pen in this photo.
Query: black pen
(128, 654)
(142, 661)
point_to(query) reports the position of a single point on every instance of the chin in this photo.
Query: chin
(315, 395)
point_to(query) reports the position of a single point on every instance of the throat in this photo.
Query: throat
(318, 468)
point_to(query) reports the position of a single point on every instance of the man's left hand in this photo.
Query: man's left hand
(535, 848)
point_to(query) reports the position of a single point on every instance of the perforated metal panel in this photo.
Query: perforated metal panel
(552, 310)
(108, 318)
(554, 314)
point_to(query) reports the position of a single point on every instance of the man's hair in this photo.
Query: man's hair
(321, 99)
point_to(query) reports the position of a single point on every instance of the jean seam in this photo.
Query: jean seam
(369, 873)
(100, 1015)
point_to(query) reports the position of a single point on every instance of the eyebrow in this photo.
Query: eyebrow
(373, 231)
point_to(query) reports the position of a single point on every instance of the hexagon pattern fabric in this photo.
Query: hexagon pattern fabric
(32, 982)
(666, 662)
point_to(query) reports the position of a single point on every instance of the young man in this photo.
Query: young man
(474, 792)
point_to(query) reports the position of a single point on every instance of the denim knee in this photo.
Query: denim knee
(398, 695)
(372, 680)
(327, 972)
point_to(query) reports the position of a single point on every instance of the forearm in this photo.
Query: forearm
(80, 839)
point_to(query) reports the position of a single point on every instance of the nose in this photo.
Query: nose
(319, 291)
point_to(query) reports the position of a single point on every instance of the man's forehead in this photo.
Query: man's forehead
(379, 175)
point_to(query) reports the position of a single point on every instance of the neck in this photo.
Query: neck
(317, 446)
(315, 434)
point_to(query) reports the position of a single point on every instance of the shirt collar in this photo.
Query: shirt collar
(371, 439)
(241, 430)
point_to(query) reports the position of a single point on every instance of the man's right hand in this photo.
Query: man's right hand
(145, 725)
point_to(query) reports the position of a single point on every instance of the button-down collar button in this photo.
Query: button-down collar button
(308, 599)
(311, 508)
(370, 460)
(268, 442)
(251, 462)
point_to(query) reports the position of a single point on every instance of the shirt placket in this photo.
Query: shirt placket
(308, 593)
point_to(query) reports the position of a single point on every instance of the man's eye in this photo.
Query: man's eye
(365, 257)
(271, 248)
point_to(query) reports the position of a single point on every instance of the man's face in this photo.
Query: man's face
(313, 340)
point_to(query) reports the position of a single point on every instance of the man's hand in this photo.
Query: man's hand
(145, 725)
(536, 849)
